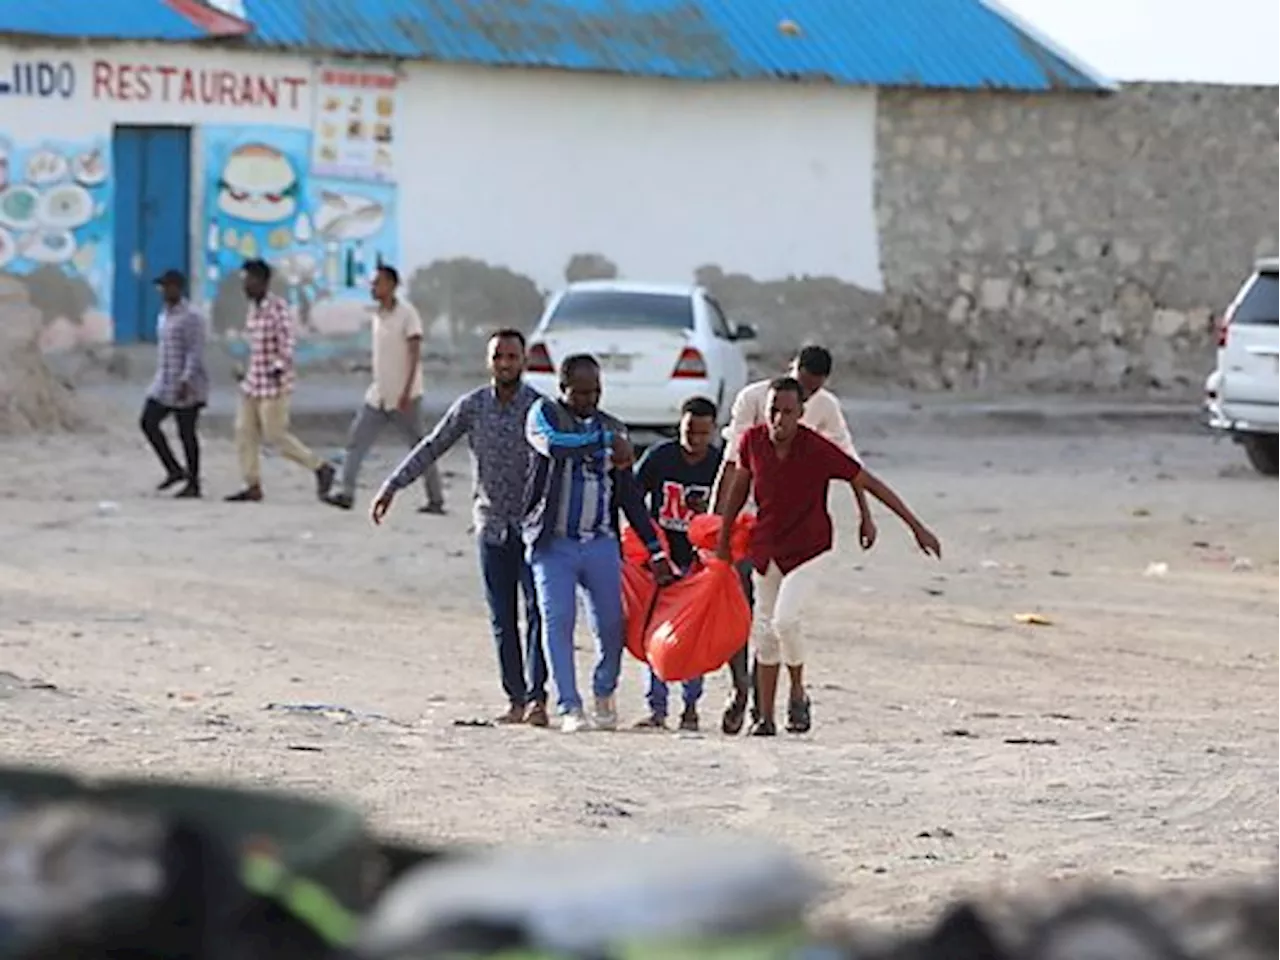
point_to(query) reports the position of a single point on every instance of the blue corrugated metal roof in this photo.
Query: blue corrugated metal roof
(959, 44)
(100, 20)
(955, 44)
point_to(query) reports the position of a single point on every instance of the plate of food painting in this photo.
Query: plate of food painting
(48, 246)
(90, 168)
(348, 216)
(66, 207)
(45, 167)
(19, 206)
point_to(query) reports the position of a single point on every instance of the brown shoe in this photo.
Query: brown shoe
(250, 494)
(536, 715)
(514, 714)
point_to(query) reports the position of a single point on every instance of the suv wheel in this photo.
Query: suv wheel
(1262, 452)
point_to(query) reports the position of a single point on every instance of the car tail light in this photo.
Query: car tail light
(1221, 326)
(538, 359)
(690, 366)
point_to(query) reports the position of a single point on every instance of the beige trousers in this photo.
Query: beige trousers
(780, 601)
(262, 420)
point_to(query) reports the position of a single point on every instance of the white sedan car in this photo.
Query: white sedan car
(657, 346)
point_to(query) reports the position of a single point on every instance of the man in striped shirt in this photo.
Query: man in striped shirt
(266, 388)
(579, 478)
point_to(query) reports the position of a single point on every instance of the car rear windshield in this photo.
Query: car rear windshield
(1261, 303)
(618, 309)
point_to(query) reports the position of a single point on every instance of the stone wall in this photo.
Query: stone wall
(1066, 242)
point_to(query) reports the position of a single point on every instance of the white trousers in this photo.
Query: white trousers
(780, 602)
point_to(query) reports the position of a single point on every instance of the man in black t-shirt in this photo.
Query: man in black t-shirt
(676, 477)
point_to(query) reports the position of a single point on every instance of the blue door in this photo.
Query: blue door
(152, 222)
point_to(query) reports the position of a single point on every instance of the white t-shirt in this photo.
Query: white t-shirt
(822, 413)
(392, 331)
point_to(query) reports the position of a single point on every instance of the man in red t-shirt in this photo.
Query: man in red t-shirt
(790, 467)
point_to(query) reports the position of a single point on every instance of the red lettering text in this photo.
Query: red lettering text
(142, 83)
(101, 80)
(166, 74)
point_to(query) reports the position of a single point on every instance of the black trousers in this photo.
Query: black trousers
(153, 414)
(742, 671)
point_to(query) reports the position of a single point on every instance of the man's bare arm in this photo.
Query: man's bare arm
(415, 358)
(724, 480)
(735, 498)
(873, 485)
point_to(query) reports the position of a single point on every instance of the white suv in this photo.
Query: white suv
(1242, 395)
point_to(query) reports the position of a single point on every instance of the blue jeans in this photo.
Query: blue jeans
(506, 575)
(657, 696)
(560, 566)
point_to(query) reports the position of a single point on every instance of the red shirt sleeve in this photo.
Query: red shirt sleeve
(831, 460)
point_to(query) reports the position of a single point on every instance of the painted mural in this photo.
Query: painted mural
(323, 237)
(56, 235)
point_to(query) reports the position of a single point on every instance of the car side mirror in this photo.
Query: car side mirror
(744, 332)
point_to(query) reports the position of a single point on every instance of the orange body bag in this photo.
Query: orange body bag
(693, 626)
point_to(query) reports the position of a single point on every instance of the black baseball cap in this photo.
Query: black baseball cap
(172, 278)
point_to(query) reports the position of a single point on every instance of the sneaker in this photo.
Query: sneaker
(652, 722)
(342, 501)
(734, 715)
(190, 492)
(536, 715)
(763, 727)
(434, 509)
(799, 716)
(689, 719)
(606, 713)
(575, 721)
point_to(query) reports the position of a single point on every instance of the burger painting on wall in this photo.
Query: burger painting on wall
(324, 237)
(258, 185)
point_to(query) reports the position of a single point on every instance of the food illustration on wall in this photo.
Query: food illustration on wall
(56, 234)
(259, 184)
(356, 124)
(323, 237)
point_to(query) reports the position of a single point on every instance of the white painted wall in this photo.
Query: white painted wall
(525, 168)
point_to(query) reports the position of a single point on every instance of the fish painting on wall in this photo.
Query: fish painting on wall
(55, 235)
(323, 238)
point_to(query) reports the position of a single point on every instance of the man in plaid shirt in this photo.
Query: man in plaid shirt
(265, 389)
(180, 387)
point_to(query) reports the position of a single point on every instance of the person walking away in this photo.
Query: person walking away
(675, 478)
(789, 467)
(811, 368)
(492, 418)
(579, 477)
(180, 387)
(395, 395)
(266, 389)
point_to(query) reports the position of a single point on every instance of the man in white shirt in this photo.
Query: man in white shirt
(395, 395)
(822, 413)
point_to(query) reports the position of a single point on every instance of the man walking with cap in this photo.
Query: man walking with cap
(180, 386)
(395, 396)
(265, 389)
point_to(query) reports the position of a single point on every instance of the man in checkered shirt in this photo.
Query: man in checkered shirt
(266, 387)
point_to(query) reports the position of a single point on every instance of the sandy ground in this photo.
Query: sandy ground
(954, 748)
